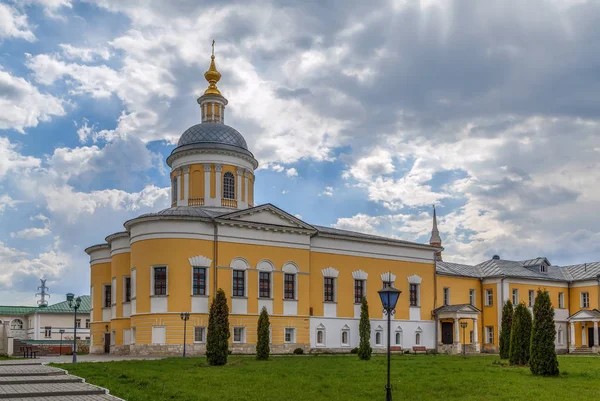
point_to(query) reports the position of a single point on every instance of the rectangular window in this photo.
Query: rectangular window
(290, 286)
(359, 291)
(78, 323)
(472, 297)
(199, 281)
(127, 289)
(329, 289)
(585, 299)
(107, 295)
(531, 298)
(471, 337)
(489, 297)
(561, 300)
(290, 335)
(414, 295)
(264, 283)
(87, 323)
(160, 281)
(559, 337)
(515, 297)
(47, 331)
(238, 335)
(199, 333)
(489, 334)
(239, 278)
(446, 296)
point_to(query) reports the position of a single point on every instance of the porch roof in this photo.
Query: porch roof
(456, 309)
(584, 315)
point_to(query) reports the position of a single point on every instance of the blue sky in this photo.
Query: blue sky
(362, 115)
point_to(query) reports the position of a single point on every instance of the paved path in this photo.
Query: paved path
(27, 380)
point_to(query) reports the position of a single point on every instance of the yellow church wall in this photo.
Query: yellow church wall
(120, 267)
(524, 289)
(97, 331)
(575, 298)
(459, 294)
(173, 253)
(213, 181)
(490, 315)
(197, 181)
(374, 268)
(118, 325)
(100, 274)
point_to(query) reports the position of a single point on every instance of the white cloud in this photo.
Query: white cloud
(11, 160)
(13, 24)
(328, 191)
(285, 192)
(22, 105)
(34, 232)
(277, 168)
(7, 202)
(291, 172)
(85, 54)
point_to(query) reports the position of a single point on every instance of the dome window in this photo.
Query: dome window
(228, 186)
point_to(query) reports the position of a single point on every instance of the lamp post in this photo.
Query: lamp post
(464, 326)
(74, 303)
(389, 297)
(185, 316)
(61, 331)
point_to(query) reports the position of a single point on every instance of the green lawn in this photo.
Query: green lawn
(340, 378)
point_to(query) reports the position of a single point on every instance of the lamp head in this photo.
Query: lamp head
(78, 302)
(389, 297)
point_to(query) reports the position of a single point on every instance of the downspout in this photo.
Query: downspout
(435, 323)
(500, 308)
(215, 256)
(481, 333)
(569, 323)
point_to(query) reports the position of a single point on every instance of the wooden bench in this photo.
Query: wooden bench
(419, 349)
(396, 349)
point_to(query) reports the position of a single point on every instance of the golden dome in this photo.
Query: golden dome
(212, 75)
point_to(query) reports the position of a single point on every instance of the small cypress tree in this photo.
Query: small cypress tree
(364, 349)
(217, 339)
(262, 345)
(520, 336)
(507, 315)
(542, 359)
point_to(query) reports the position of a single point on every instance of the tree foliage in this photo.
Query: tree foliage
(217, 339)
(262, 345)
(542, 359)
(364, 349)
(520, 336)
(507, 316)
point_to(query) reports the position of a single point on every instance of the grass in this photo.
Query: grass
(345, 378)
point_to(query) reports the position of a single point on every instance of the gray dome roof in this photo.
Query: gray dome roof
(212, 132)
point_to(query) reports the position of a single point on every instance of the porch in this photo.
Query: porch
(450, 333)
(583, 331)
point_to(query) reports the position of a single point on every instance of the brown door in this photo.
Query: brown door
(447, 332)
(106, 343)
(590, 337)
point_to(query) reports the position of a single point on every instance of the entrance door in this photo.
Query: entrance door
(590, 337)
(447, 332)
(106, 343)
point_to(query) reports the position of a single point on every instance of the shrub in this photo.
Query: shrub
(507, 315)
(354, 350)
(364, 327)
(407, 351)
(262, 345)
(217, 344)
(520, 336)
(542, 358)
(298, 351)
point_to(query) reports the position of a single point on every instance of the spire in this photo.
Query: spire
(212, 75)
(435, 239)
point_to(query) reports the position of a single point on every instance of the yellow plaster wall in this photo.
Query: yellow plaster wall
(120, 267)
(118, 325)
(251, 190)
(173, 253)
(525, 288)
(374, 268)
(97, 331)
(100, 274)
(490, 315)
(196, 181)
(459, 294)
(575, 298)
(213, 181)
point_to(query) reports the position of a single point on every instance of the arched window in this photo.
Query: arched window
(397, 338)
(228, 186)
(418, 339)
(16, 324)
(320, 337)
(378, 338)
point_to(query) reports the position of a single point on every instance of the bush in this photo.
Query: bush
(407, 351)
(262, 345)
(364, 327)
(542, 358)
(520, 336)
(354, 350)
(298, 351)
(507, 315)
(217, 340)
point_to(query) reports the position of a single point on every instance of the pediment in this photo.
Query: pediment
(266, 215)
(584, 315)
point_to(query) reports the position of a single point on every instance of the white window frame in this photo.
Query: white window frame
(133, 276)
(245, 283)
(561, 300)
(585, 299)
(321, 329)
(133, 335)
(418, 338)
(471, 336)
(157, 327)
(206, 286)
(12, 322)
(152, 294)
(78, 323)
(531, 299)
(446, 296)
(125, 288)
(48, 332)
(270, 272)
(559, 336)
(104, 295)
(335, 285)
(345, 330)
(87, 323)
(401, 334)
(292, 331)
(472, 297)
(113, 335)
(113, 291)
(203, 330)
(515, 296)
(489, 334)
(242, 339)
(379, 331)
(489, 297)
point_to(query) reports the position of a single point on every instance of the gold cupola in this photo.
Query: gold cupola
(212, 103)
(212, 75)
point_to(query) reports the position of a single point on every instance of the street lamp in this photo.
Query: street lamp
(74, 303)
(389, 297)
(61, 331)
(185, 316)
(464, 326)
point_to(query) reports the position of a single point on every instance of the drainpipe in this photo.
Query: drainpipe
(215, 257)
(481, 336)
(435, 323)
(569, 323)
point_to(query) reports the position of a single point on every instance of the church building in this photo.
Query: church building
(310, 278)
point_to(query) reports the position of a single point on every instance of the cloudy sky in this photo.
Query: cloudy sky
(361, 114)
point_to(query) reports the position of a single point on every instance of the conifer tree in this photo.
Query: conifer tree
(262, 345)
(364, 349)
(507, 315)
(542, 359)
(217, 339)
(520, 336)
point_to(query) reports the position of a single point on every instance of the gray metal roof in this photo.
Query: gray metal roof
(456, 269)
(584, 271)
(354, 234)
(455, 308)
(212, 132)
(185, 211)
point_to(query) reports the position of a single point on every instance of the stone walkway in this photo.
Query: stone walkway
(28, 380)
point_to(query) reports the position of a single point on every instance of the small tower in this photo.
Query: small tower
(435, 239)
(212, 102)
(43, 293)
